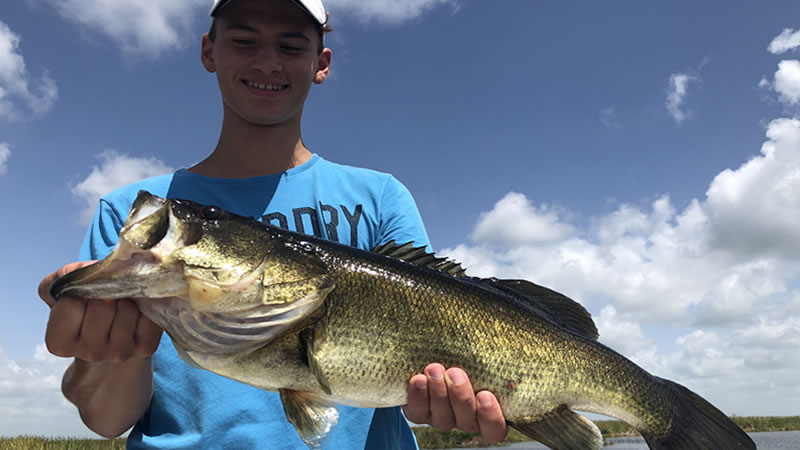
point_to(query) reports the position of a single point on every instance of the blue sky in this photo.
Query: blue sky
(642, 158)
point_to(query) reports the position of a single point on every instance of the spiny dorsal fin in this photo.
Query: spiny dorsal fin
(419, 256)
(562, 310)
(561, 429)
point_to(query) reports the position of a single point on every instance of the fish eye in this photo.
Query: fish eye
(212, 213)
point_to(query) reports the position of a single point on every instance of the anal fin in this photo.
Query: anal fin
(312, 416)
(561, 429)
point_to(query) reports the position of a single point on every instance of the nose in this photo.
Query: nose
(267, 60)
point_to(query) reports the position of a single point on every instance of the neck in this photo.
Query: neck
(248, 150)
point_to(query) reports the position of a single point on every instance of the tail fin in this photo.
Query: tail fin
(699, 426)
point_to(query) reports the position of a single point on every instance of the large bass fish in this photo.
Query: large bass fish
(323, 323)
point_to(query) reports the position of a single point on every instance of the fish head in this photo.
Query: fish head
(177, 248)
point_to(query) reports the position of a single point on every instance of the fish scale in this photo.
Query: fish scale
(322, 323)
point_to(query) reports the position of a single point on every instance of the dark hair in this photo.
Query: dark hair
(322, 31)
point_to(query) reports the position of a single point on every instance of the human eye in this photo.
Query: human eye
(242, 41)
(292, 48)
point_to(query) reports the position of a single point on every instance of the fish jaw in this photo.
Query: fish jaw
(140, 265)
(123, 274)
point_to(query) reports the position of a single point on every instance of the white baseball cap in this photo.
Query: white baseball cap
(313, 8)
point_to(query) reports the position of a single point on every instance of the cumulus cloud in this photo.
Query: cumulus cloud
(515, 221)
(386, 11)
(141, 28)
(754, 208)
(15, 81)
(676, 95)
(5, 153)
(115, 170)
(787, 82)
(787, 40)
(30, 397)
(759, 362)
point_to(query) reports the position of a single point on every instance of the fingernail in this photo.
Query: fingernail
(421, 383)
(484, 399)
(436, 372)
(456, 377)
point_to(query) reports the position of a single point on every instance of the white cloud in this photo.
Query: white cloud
(115, 171)
(14, 80)
(676, 94)
(514, 221)
(141, 28)
(787, 81)
(787, 40)
(30, 397)
(5, 153)
(623, 334)
(386, 11)
(754, 208)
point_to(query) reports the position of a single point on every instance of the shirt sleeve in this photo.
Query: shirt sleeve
(400, 219)
(103, 233)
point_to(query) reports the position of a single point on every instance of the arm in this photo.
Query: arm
(111, 378)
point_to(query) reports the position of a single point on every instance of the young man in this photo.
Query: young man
(266, 54)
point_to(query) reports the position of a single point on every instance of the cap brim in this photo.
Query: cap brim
(318, 14)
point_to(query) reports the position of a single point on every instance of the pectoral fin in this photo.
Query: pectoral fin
(561, 429)
(312, 416)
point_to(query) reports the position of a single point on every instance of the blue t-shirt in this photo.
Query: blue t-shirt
(194, 408)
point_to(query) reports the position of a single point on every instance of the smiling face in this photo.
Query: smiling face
(266, 55)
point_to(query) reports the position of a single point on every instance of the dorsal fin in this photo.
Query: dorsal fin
(419, 256)
(561, 309)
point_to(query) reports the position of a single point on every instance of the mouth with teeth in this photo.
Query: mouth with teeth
(266, 87)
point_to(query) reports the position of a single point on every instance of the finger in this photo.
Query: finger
(93, 339)
(490, 418)
(44, 285)
(462, 399)
(121, 335)
(147, 337)
(417, 409)
(441, 411)
(64, 326)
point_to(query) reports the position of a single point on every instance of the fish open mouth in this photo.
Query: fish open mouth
(136, 268)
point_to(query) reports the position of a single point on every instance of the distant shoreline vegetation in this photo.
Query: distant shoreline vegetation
(426, 436)
(432, 438)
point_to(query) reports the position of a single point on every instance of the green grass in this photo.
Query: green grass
(39, 443)
(759, 424)
(426, 436)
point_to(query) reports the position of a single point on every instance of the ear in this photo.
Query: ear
(323, 66)
(207, 54)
